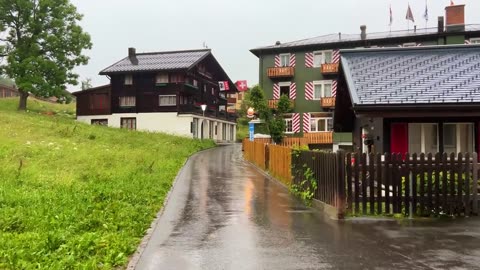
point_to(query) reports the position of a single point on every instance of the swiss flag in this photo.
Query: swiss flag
(241, 86)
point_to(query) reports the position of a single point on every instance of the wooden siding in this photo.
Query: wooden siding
(331, 68)
(88, 101)
(281, 72)
(328, 102)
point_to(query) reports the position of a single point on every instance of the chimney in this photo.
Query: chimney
(455, 18)
(363, 35)
(339, 36)
(132, 54)
(441, 24)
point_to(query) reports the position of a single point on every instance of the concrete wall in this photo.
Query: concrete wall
(171, 123)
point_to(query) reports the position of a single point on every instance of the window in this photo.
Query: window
(127, 102)
(177, 78)
(321, 124)
(322, 89)
(458, 137)
(164, 100)
(285, 88)
(128, 123)
(194, 128)
(213, 91)
(186, 100)
(99, 101)
(285, 60)
(475, 40)
(322, 57)
(161, 78)
(128, 79)
(423, 138)
(289, 125)
(100, 122)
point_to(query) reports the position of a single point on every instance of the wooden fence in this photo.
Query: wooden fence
(274, 158)
(412, 184)
(327, 171)
(360, 184)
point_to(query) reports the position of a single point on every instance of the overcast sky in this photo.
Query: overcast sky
(232, 27)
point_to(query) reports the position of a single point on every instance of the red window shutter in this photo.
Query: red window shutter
(399, 138)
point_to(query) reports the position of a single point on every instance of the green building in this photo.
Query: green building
(307, 71)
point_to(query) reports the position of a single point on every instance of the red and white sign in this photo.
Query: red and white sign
(224, 86)
(242, 86)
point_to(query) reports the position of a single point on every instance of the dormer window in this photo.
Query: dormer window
(161, 78)
(128, 79)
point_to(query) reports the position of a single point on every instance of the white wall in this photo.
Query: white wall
(170, 123)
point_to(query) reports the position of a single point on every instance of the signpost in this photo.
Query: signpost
(251, 129)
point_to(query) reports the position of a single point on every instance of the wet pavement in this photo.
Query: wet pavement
(224, 214)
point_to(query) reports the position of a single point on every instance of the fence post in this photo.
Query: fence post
(340, 203)
(475, 183)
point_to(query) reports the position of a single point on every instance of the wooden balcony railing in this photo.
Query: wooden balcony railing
(273, 103)
(319, 137)
(331, 68)
(232, 100)
(328, 102)
(281, 72)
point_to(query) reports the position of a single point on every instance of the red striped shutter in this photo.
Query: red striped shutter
(309, 90)
(336, 56)
(467, 42)
(293, 91)
(277, 60)
(296, 123)
(306, 122)
(334, 88)
(276, 91)
(309, 60)
(293, 60)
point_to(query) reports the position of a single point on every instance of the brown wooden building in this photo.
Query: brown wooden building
(163, 92)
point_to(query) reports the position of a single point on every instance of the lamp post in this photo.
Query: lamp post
(204, 107)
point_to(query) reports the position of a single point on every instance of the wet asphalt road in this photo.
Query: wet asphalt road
(224, 214)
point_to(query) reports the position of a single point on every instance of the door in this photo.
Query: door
(399, 138)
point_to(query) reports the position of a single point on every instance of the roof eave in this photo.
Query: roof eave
(415, 106)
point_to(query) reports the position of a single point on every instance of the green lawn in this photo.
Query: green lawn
(74, 196)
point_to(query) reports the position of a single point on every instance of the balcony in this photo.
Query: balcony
(273, 103)
(232, 100)
(319, 137)
(328, 102)
(281, 72)
(331, 68)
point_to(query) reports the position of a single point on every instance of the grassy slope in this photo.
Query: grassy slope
(77, 196)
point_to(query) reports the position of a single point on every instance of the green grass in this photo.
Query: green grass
(74, 196)
(242, 132)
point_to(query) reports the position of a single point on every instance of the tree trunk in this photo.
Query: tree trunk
(22, 105)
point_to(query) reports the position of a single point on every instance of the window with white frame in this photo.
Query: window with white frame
(128, 79)
(167, 100)
(289, 125)
(128, 123)
(162, 78)
(285, 60)
(322, 57)
(321, 124)
(322, 89)
(423, 138)
(127, 101)
(458, 138)
(410, 44)
(475, 40)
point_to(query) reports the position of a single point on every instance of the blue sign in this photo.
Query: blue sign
(251, 129)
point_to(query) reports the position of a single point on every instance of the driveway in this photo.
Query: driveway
(224, 214)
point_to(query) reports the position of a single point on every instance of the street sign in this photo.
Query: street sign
(251, 129)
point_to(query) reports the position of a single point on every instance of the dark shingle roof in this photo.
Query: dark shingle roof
(336, 38)
(174, 60)
(421, 75)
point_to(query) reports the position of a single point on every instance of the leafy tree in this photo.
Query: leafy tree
(273, 118)
(42, 46)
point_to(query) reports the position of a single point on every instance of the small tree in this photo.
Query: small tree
(86, 84)
(43, 44)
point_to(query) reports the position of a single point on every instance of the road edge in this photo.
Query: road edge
(135, 257)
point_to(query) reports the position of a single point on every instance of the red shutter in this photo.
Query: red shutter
(276, 91)
(399, 138)
(277, 60)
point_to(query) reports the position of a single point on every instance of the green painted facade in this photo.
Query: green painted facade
(304, 74)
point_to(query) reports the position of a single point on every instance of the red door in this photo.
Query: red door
(399, 138)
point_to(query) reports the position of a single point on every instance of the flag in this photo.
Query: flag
(391, 15)
(409, 16)
(223, 86)
(426, 12)
(241, 86)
